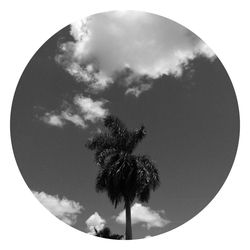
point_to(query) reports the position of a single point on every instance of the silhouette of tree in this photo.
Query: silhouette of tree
(122, 174)
(106, 233)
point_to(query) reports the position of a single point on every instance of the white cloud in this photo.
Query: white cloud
(64, 209)
(147, 44)
(91, 110)
(145, 215)
(82, 111)
(137, 90)
(95, 221)
(52, 119)
(95, 80)
(76, 119)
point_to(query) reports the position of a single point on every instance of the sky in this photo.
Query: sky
(145, 69)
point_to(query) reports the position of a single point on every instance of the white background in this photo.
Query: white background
(223, 25)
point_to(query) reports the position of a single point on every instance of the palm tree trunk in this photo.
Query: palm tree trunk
(128, 220)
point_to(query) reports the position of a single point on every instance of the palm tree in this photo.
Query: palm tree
(122, 174)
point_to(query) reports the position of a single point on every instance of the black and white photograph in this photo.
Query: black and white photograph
(124, 125)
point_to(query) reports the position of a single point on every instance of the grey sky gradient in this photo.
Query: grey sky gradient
(174, 85)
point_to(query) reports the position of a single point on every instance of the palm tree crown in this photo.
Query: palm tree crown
(122, 174)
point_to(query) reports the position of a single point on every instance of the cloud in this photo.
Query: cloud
(107, 43)
(136, 91)
(64, 209)
(91, 110)
(95, 221)
(52, 119)
(82, 111)
(76, 119)
(145, 215)
(61, 119)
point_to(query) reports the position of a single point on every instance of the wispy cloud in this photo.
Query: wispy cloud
(64, 209)
(91, 110)
(95, 221)
(60, 119)
(145, 215)
(137, 90)
(107, 43)
(80, 112)
(53, 119)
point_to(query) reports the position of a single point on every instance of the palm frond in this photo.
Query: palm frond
(147, 177)
(135, 137)
(100, 141)
(115, 126)
(103, 155)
